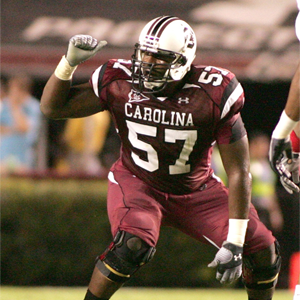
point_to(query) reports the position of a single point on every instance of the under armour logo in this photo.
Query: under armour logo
(134, 96)
(237, 257)
(185, 100)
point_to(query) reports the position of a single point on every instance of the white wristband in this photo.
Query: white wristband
(237, 231)
(284, 127)
(63, 70)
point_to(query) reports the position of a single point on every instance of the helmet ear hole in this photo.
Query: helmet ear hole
(182, 60)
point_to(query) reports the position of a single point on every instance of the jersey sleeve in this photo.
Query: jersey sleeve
(231, 127)
(231, 131)
(97, 79)
(104, 76)
(227, 93)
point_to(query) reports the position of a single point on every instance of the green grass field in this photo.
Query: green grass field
(68, 293)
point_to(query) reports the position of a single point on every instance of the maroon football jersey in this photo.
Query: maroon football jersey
(167, 141)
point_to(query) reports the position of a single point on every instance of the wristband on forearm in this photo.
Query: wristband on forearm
(63, 70)
(237, 231)
(284, 127)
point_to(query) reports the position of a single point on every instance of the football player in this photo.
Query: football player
(285, 142)
(169, 113)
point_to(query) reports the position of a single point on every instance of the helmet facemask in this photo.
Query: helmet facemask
(174, 50)
(154, 76)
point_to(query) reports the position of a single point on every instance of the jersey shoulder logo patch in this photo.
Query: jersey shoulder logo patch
(134, 96)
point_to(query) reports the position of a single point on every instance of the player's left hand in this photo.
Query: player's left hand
(228, 261)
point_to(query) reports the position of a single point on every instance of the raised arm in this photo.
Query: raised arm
(292, 107)
(61, 100)
(284, 155)
(285, 163)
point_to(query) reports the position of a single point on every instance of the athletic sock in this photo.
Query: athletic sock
(90, 296)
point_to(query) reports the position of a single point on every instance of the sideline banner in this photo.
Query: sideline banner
(253, 38)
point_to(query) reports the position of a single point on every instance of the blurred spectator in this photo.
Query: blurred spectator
(19, 122)
(263, 182)
(3, 89)
(84, 139)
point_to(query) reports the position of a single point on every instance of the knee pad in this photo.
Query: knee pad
(261, 278)
(124, 256)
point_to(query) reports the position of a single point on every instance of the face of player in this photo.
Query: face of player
(155, 65)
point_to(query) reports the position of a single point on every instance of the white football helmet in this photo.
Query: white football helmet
(168, 37)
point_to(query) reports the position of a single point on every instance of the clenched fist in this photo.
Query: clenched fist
(81, 48)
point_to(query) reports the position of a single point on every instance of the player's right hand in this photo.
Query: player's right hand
(228, 262)
(81, 48)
